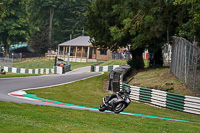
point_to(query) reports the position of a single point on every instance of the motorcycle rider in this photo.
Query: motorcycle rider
(116, 102)
(108, 98)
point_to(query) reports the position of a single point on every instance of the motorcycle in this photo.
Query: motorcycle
(116, 102)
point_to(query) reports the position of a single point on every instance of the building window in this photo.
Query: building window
(103, 51)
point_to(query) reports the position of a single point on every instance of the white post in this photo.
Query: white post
(75, 53)
(68, 58)
(69, 49)
(81, 52)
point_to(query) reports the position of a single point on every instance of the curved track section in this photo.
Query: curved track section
(9, 85)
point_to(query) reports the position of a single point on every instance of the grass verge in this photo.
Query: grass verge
(113, 62)
(34, 63)
(16, 117)
(121, 62)
(89, 93)
(162, 79)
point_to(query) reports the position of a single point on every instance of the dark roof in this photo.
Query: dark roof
(79, 41)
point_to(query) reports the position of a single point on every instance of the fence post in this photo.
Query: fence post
(177, 59)
(68, 58)
(188, 64)
(195, 71)
(181, 61)
(185, 64)
(193, 61)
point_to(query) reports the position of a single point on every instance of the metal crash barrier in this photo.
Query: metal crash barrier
(116, 77)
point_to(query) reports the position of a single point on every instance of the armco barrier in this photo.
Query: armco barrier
(116, 77)
(104, 68)
(165, 99)
(55, 70)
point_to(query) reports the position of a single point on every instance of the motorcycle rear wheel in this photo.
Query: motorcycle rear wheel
(102, 107)
(119, 108)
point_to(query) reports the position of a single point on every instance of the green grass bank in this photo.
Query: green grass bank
(89, 93)
(24, 118)
(34, 63)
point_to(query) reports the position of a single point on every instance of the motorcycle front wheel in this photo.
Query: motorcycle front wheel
(119, 108)
(102, 107)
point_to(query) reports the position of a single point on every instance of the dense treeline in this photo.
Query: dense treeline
(42, 23)
(112, 23)
(142, 23)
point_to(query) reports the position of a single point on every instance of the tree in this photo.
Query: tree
(39, 40)
(99, 21)
(148, 25)
(69, 20)
(190, 26)
(13, 23)
(64, 18)
(45, 5)
(141, 23)
(114, 24)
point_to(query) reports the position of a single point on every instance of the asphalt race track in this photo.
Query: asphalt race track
(8, 85)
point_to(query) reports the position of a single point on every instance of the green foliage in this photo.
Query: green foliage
(149, 19)
(112, 23)
(13, 22)
(189, 28)
(142, 23)
(39, 40)
(115, 24)
(168, 89)
(100, 19)
(67, 18)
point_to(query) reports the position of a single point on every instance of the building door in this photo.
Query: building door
(90, 54)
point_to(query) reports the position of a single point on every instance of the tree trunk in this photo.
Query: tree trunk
(157, 61)
(6, 48)
(137, 61)
(51, 24)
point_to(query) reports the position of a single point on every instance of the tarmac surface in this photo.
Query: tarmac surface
(9, 85)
